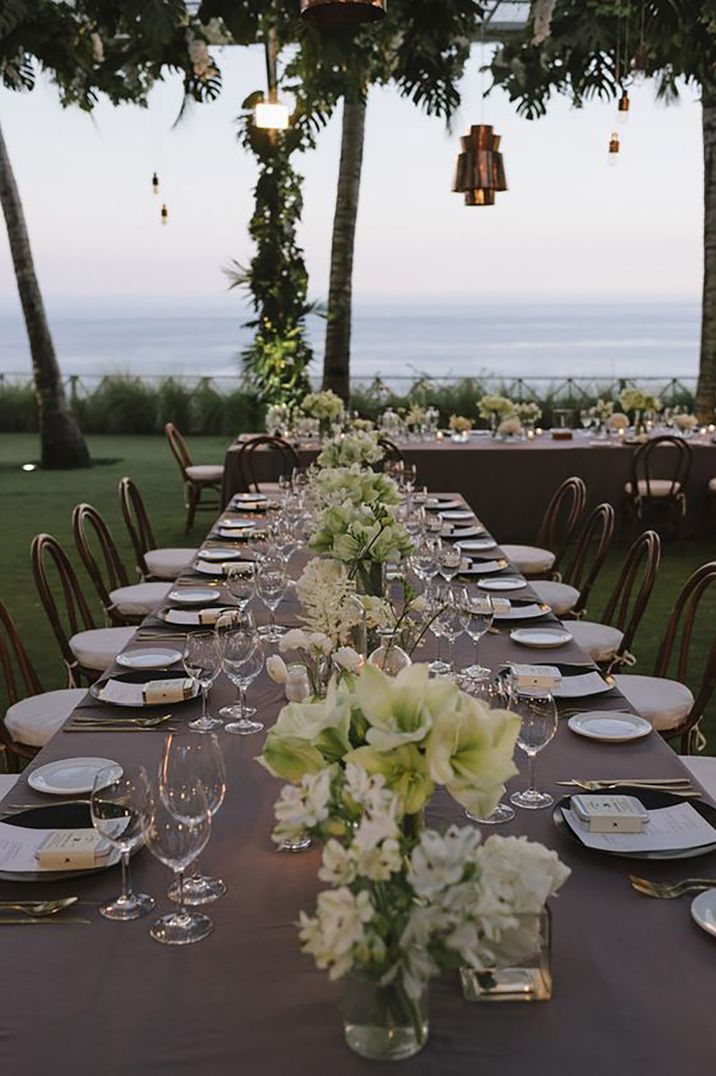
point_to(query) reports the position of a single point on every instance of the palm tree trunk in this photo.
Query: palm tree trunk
(706, 395)
(336, 363)
(62, 445)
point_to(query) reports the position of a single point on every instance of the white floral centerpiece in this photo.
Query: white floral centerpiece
(510, 427)
(638, 403)
(494, 408)
(529, 411)
(278, 419)
(360, 447)
(405, 902)
(460, 427)
(686, 423)
(326, 407)
(617, 421)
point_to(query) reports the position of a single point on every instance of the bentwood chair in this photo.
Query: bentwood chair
(197, 478)
(609, 640)
(152, 563)
(33, 715)
(283, 462)
(669, 704)
(392, 454)
(650, 497)
(122, 602)
(86, 649)
(556, 530)
(570, 596)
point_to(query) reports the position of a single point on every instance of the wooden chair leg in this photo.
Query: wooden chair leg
(192, 500)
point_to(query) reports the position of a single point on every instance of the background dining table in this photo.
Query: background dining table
(634, 978)
(513, 481)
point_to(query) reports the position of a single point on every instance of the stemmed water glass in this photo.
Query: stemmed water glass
(271, 582)
(538, 712)
(480, 613)
(202, 662)
(424, 560)
(452, 620)
(176, 841)
(119, 804)
(241, 582)
(183, 764)
(243, 661)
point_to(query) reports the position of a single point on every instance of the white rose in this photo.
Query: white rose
(276, 668)
(349, 659)
(295, 639)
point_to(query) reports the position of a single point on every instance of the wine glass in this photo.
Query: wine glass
(538, 712)
(202, 662)
(184, 763)
(438, 598)
(271, 581)
(241, 582)
(449, 561)
(424, 560)
(119, 803)
(452, 619)
(489, 691)
(243, 661)
(480, 614)
(177, 842)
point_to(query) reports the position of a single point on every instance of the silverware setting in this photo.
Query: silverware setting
(45, 920)
(123, 719)
(39, 909)
(670, 890)
(122, 728)
(677, 786)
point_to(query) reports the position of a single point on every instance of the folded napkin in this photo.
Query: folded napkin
(72, 849)
(194, 616)
(574, 687)
(536, 677)
(125, 693)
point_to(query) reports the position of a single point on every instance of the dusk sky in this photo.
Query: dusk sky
(569, 226)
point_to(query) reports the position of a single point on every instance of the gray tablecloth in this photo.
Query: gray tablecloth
(512, 483)
(634, 978)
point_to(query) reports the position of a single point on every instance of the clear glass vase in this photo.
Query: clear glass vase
(382, 1023)
(390, 656)
(530, 980)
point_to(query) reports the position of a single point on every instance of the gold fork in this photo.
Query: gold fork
(670, 890)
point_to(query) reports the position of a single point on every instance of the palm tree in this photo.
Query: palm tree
(336, 364)
(62, 444)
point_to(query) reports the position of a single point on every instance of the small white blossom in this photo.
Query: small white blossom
(276, 669)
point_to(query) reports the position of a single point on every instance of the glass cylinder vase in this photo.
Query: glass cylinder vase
(382, 1023)
(390, 656)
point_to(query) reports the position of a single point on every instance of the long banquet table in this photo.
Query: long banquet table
(512, 482)
(634, 978)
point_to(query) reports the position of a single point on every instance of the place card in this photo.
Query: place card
(669, 829)
(23, 849)
(535, 677)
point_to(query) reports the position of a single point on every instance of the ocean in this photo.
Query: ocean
(598, 340)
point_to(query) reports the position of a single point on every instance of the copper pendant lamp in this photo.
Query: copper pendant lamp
(480, 171)
(332, 13)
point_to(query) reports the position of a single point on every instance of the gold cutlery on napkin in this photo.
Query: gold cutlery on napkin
(670, 890)
(49, 921)
(38, 909)
(675, 785)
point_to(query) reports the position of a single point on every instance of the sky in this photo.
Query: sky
(569, 228)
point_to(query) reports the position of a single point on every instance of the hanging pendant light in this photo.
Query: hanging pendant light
(329, 13)
(155, 183)
(623, 107)
(271, 115)
(164, 215)
(480, 171)
(614, 148)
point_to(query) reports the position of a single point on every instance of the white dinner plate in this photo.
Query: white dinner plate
(190, 617)
(541, 638)
(68, 776)
(460, 516)
(194, 596)
(703, 911)
(236, 524)
(477, 545)
(530, 611)
(216, 556)
(484, 567)
(434, 504)
(505, 582)
(249, 497)
(151, 658)
(609, 727)
(237, 534)
(456, 534)
(214, 570)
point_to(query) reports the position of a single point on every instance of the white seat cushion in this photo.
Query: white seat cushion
(169, 563)
(206, 472)
(7, 780)
(529, 559)
(658, 487)
(600, 641)
(560, 596)
(97, 649)
(139, 599)
(703, 768)
(665, 703)
(712, 485)
(33, 721)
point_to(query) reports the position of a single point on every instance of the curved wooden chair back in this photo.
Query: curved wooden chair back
(633, 588)
(651, 462)
(106, 572)
(676, 647)
(137, 522)
(393, 454)
(67, 610)
(591, 552)
(283, 453)
(562, 517)
(20, 679)
(178, 446)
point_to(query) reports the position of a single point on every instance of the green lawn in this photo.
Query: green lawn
(36, 501)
